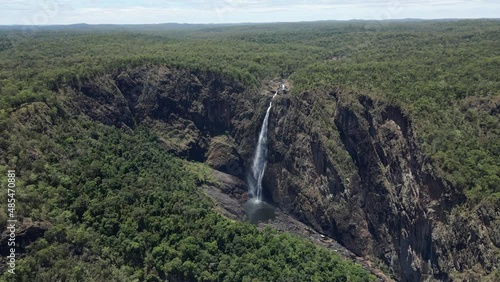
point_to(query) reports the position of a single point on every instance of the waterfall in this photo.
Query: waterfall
(260, 159)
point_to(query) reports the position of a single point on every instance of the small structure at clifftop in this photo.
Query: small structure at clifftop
(282, 88)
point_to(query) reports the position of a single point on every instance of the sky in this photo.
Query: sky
(50, 12)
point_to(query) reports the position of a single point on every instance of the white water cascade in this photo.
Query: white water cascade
(260, 159)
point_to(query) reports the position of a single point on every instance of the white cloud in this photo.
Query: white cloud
(211, 11)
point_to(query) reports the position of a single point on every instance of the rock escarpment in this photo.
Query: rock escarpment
(197, 115)
(351, 167)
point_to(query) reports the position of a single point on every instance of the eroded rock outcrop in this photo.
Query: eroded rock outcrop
(27, 232)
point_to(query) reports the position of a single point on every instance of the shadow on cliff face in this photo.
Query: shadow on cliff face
(199, 116)
(351, 167)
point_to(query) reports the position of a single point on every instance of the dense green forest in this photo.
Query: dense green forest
(118, 215)
(120, 208)
(440, 72)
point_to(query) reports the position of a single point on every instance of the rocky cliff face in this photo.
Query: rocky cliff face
(381, 200)
(345, 164)
(195, 114)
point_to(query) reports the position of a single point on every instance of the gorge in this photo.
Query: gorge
(356, 176)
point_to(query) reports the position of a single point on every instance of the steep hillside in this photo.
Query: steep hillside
(351, 167)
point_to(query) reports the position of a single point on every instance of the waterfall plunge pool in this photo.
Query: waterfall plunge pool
(259, 211)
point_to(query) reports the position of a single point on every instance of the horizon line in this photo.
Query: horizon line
(246, 23)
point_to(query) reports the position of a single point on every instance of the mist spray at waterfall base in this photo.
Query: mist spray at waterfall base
(258, 210)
